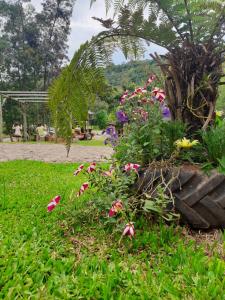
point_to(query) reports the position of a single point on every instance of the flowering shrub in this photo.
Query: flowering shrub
(148, 133)
(150, 139)
(115, 184)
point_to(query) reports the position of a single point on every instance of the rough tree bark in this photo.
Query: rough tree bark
(192, 76)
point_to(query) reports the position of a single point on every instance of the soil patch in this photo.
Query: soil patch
(53, 152)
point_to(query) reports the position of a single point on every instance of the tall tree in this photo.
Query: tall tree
(33, 48)
(19, 45)
(54, 24)
(33, 45)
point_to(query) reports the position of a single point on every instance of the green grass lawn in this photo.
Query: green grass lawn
(93, 142)
(99, 142)
(71, 254)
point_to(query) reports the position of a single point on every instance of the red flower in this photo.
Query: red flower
(131, 166)
(159, 94)
(108, 173)
(52, 204)
(137, 92)
(84, 187)
(151, 79)
(116, 207)
(129, 230)
(79, 169)
(140, 91)
(91, 168)
(123, 97)
(144, 114)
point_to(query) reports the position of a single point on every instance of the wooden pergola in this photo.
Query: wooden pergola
(24, 98)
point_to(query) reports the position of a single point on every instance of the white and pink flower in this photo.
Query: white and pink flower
(91, 168)
(79, 169)
(129, 230)
(117, 206)
(131, 166)
(83, 188)
(52, 204)
(123, 97)
(138, 91)
(108, 173)
(150, 79)
(159, 94)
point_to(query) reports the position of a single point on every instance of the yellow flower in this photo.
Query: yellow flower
(219, 113)
(185, 143)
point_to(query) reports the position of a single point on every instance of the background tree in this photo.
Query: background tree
(54, 25)
(33, 49)
(33, 45)
(19, 40)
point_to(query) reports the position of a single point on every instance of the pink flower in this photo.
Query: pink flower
(129, 229)
(137, 92)
(140, 91)
(123, 97)
(116, 207)
(144, 100)
(151, 79)
(144, 114)
(159, 94)
(134, 94)
(91, 168)
(108, 173)
(141, 112)
(84, 187)
(52, 204)
(79, 169)
(131, 166)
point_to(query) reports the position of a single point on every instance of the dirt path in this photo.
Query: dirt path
(53, 152)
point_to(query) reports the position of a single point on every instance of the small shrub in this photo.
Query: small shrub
(101, 119)
(214, 141)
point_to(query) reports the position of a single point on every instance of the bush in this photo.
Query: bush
(214, 141)
(150, 140)
(101, 119)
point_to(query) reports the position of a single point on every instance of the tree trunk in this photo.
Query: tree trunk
(192, 75)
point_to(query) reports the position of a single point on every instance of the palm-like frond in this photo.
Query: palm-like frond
(74, 92)
(183, 19)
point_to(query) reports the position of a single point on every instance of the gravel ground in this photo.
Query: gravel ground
(53, 152)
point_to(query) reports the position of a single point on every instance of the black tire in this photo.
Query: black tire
(199, 198)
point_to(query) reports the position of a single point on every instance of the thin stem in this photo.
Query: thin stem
(189, 20)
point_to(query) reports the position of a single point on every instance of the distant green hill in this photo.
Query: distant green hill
(131, 73)
(135, 73)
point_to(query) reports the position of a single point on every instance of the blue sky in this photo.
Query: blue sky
(83, 27)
